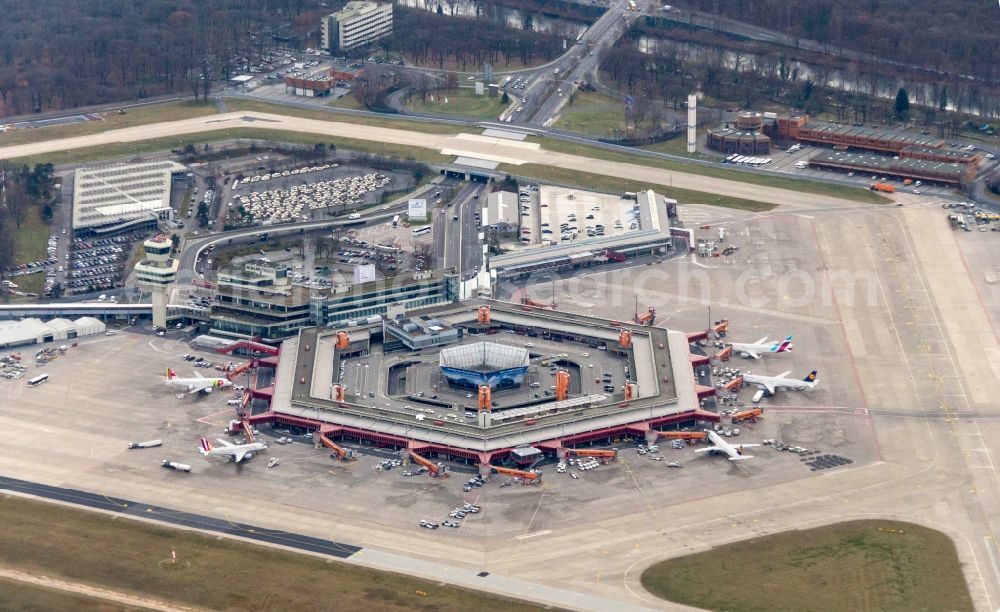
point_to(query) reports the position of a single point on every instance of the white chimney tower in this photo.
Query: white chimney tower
(692, 122)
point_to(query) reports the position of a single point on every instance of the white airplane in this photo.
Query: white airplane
(721, 447)
(236, 452)
(198, 383)
(771, 383)
(755, 349)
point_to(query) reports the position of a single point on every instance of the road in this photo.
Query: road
(192, 248)
(459, 233)
(549, 92)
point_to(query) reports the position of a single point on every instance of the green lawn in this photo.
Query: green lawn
(594, 114)
(31, 238)
(210, 572)
(154, 113)
(858, 565)
(463, 101)
(601, 182)
(348, 101)
(15, 595)
(858, 194)
(89, 154)
(388, 121)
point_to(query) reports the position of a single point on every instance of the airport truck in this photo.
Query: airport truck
(173, 465)
(146, 444)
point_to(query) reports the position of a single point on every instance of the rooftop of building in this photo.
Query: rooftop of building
(418, 325)
(501, 207)
(355, 7)
(657, 359)
(727, 132)
(877, 162)
(874, 133)
(484, 356)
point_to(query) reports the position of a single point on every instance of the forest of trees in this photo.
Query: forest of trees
(65, 53)
(957, 36)
(431, 39)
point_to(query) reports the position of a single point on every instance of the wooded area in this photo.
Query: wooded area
(957, 36)
(65, 53)
(432, 39)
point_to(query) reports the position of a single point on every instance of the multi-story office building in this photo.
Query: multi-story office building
(122, 197)
(356, 25)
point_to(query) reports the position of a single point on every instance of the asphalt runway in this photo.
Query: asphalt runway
(176, 517)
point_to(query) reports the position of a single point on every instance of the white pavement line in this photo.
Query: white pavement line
(534, 535)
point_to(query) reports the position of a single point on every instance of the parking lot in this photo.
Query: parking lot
(300, 192)
(570, 214)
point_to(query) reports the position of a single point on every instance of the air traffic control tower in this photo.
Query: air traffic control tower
(155, 272)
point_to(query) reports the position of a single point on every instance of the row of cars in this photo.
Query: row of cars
(282, 205)
(97, 264)
(275, 175)
(456, 513)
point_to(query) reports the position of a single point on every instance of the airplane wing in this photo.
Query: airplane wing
(224, 442)
(194, 389)
(706, 449)
(198, 374)
(761, 341)
(741, 457)
(783, 374)
(748, 445)
(239, 456)
(752, 354)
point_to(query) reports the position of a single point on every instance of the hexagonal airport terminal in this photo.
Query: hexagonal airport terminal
(479, 380)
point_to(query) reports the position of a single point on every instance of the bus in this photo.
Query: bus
(34, 382)
(420, 231)
(395, 221)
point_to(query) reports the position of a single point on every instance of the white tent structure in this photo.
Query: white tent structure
(35, 331)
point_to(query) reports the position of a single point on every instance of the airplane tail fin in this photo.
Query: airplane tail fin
(206, 446)
(785, 346)
(171, 374)
(811, 377)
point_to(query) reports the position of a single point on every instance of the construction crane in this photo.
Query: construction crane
(527, 476)
(342, 453)
(434, 469)
(562, 385)
(748, 415)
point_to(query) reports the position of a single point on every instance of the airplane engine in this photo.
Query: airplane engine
(248, 456)
(207, 389)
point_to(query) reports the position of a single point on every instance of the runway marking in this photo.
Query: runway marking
(533, 535)
(214, 414)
